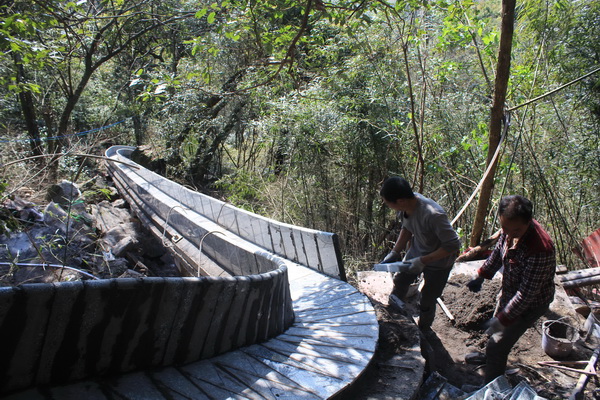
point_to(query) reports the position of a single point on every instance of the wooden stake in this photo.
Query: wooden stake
(446, 311)
(563, 362)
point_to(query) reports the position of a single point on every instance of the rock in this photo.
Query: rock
(113, 268)
(131, 274)
(108, 215)
(76, 222)
(123, 246)
(120, 239)
(24, 210)
(63, 193)
(17, 246)
(55, 216)
(101, 243)
(119, 203)
(97, 189)
(63, 239)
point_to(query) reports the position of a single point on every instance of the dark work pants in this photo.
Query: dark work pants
(499, 345)
(434, 283)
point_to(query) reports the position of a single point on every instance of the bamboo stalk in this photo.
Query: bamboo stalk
(592, 280)
(581, 273)
(579, 371)
(577, 393)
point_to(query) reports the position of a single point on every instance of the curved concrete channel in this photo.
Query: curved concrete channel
(265, 312)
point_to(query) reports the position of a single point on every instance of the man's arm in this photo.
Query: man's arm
(435, 255)
(534, 280)
(400, 245)
(450, 243)
(489, 268)
(402, 240)
(494, 262)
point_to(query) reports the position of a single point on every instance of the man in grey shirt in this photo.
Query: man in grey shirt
(430, 242)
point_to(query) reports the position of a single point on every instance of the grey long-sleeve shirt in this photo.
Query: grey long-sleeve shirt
(430, 230)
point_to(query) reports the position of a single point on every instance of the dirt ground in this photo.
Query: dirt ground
(470, 310)
(444, 352)
(453, 340)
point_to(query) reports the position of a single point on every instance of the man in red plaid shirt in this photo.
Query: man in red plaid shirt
(527, 254)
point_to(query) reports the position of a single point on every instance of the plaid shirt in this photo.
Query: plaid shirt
(528, 276)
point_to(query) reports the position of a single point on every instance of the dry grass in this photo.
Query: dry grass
(29, 177)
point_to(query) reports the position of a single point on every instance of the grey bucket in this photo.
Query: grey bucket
(592, 323)
(558, 338)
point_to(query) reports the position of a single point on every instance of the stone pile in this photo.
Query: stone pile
(69, 239)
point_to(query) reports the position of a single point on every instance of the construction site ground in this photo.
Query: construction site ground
(459, 332)
(403, 353)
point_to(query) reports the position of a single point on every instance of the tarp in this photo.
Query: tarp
(499, 388)
(590, 249)
(436, 387)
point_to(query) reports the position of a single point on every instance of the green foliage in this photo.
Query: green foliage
(53, 54)
(17, 44)
(96, 195)
(244, 190)
(299, 114)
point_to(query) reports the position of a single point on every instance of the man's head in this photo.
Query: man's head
(396, 193)
(516, 213)
(395, 188)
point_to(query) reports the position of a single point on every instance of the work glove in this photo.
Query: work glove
(391, 257)
(415, 265)
(475, 284)
(493, 326)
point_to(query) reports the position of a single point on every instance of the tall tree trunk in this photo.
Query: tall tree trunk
(420, 167)
(29, 115)
(500, 88)
(207, 150)
(28, 109)
(138, 130)
(48, 115)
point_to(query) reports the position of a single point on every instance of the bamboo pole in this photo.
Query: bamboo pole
(558, 366)
(592, 280)
(581, 273)
(577, 393)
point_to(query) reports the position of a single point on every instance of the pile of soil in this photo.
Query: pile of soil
(444, 351)
(471, 311)
(454, 340)
(466, 334)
